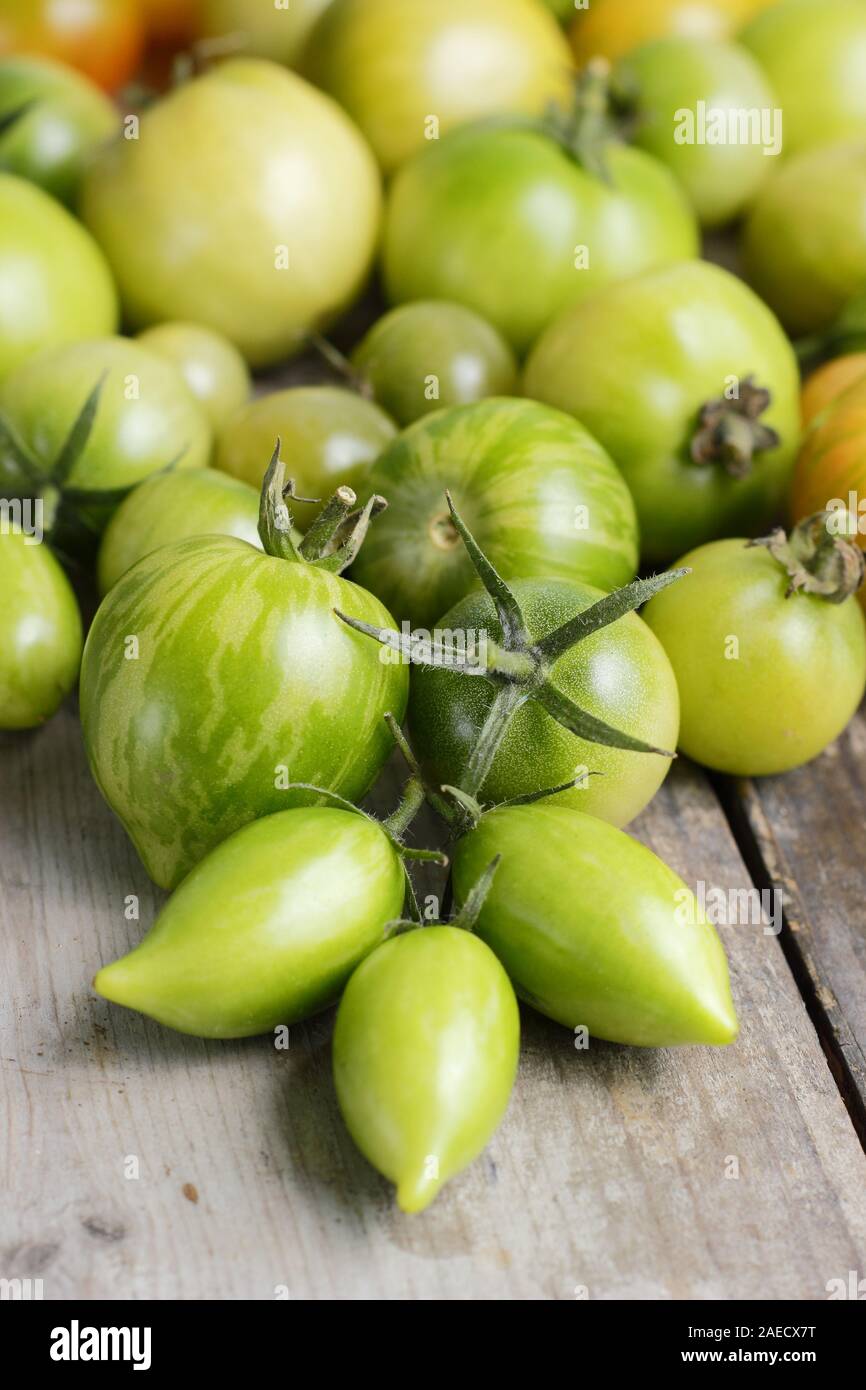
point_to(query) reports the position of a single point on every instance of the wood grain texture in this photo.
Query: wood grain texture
(608, 1174)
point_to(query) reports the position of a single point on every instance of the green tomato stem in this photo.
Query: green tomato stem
(816, 561)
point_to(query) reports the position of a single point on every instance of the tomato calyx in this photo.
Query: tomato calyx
(518, 667)
(816, 561)
(467, 917)
(731, 431)
(334, 538)
(586, 128)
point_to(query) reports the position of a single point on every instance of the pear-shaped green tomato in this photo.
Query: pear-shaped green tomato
(595, 931)
(171, 506)
(425, 1054)
(211, 366)
(40, 632)
(267, 929)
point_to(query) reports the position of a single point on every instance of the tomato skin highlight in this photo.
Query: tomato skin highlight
(425, 1054)
(507, 223)
(788, 687)
(536, 490)
(40, 633)
(620, 674)
(55, 285)
(595, 931)
(636, 364)
(244, 680)
(267, 929)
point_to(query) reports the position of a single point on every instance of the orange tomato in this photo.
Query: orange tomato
(831, 468)
(826, 385)
(102, 38)
(611, 28)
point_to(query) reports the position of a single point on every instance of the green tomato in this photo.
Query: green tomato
(425, 1054)
(507, 222)
(538, 493)
(766, 681)
(424, 356)
(51, 120)
(213, 675)
(804, 246)
(671, 82)
(249, 203)
(145, 420)
(619, 674)
(639, 363)
(267, 929)
(815, 59)
(40, 632)
(55, 286)
(408, 73)
(595, 931)
(329, 438)
(265, 30)
(170, 507)
(213, 369)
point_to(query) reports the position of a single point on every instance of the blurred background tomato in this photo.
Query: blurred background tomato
(102, 38)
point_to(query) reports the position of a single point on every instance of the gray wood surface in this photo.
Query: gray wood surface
(611, 1173)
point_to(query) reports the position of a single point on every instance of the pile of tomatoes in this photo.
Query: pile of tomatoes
(437, 542)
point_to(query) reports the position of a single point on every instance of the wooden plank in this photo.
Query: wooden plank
(807, 838)
(608, 1174)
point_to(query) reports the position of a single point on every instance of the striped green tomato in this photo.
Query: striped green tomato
(212, 677)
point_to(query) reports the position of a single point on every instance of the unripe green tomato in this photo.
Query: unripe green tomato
(619, 674)
(429, 354)
(329, 437)
(766, 681)
(262, 28)
(594, 930)
(170, 507)
(40, 632)
(267, 929)
(804, 245)
(211, 366)
(671, 81)
(55, 285)
(63, 118)
(425, 1054)
(815, 59)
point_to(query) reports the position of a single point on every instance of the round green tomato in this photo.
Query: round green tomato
(538, 493)
(619, 674)
(595, 931)
(169, 507)
(804, 246)
(506, 222)
(815, 59)
(249, 203)
(671, 82)
(766, 681)
(424, 356)
(267, 929)
(211, 366)
(40, 632)
(425, 1054)
(263, 30)
(408, 73)
(55, 286)
(636, 365)
(239, 680)
(62, 117)
(329, 438)
(145, 420)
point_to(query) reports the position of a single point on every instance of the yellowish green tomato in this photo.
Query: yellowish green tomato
(40, 632)
(169, 507)
(767, 678)
(267, 929)
(329, 437)
(429, 354)
(262, 28)
(594, 930)
(55, 285)
(425, 1053)
(211, 366)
